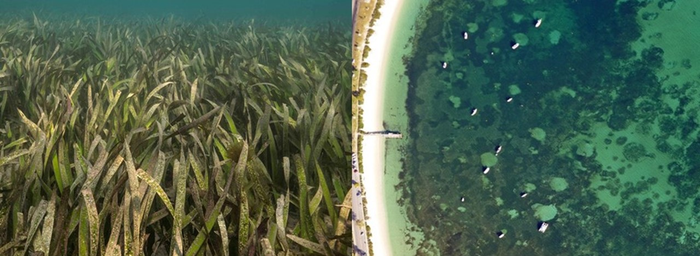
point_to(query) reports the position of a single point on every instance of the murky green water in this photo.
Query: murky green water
(268, 11)
(580, 114)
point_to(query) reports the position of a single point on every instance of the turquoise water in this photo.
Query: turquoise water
(298, 11)
(583, 115)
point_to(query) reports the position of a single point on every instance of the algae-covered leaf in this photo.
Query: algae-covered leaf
(193, 91)
(243, 223)
(84, 233)
(267, 247)
(116, 163)
(17, 143)
(287, 169)
(305, 218)
(223, 233)
(281, 219)
(156, 90)
(6, 159)
(112, 103)
(316, 247)
(159, 190)
(128, 234)
(38, 215)
(326, 193)
(135, 198)
(180, 176)
(315, 201)
(47, 228)
(112, 244)
(229, 121)
(92, 217)
(198, 172)
(95, 171)
(323, 137)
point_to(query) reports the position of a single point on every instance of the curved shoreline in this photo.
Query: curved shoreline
(384, 103)
(372, 120)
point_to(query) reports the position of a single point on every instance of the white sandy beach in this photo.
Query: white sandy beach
(373, 109)
(386, 219)
(386, 90)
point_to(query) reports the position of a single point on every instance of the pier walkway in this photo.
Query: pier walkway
(385, 134)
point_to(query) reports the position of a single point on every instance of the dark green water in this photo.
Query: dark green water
(273, 11)
(588, 121)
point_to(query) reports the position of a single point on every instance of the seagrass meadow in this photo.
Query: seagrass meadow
(161, 136)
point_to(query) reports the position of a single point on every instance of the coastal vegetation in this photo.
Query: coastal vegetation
(164, 136)
(367, 15)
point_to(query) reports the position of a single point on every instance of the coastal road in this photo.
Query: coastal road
(359, 230)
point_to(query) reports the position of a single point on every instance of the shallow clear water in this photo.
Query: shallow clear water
(586, 113)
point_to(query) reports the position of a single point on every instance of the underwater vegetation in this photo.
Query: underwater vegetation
(163, 136)
(590, 124)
